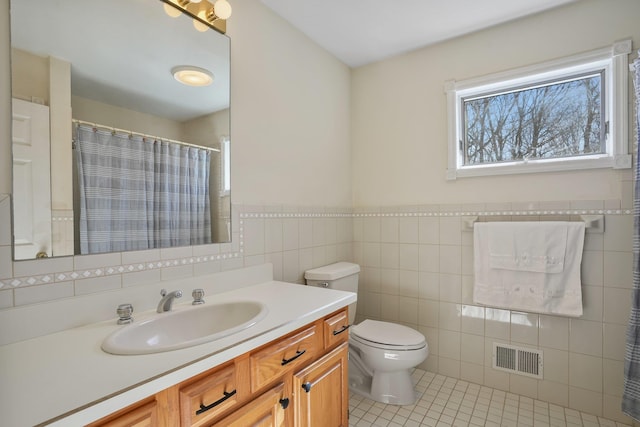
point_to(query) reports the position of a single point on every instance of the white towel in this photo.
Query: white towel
(527, 246)
(529, 266)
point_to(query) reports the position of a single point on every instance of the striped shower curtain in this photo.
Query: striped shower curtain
(631, 393)
(136, 194)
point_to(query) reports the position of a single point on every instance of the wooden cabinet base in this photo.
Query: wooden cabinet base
(299, 379)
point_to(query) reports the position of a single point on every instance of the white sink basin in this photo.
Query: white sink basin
(184, 327)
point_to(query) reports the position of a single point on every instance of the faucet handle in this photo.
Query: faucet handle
(124, 312)
(197, 295)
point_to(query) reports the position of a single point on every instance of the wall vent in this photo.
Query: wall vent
(517, 360)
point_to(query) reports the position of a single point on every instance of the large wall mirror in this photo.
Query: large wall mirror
(96, 106)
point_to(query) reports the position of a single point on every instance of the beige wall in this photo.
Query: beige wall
(31, 76)
(399, 110)
(289, 114)
(290, 102)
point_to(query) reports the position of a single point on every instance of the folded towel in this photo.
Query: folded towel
(525, 277)
(526, 246)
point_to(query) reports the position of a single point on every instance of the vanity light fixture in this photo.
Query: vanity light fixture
(192, 76)
(204, 13)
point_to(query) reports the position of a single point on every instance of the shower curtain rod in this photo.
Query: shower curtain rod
(144, 135)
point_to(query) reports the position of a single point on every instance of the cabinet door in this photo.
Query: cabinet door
(321, 394)
(264, 411)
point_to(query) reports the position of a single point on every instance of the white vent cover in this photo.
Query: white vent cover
(517, 360)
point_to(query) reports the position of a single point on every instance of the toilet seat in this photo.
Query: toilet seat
(387, 335)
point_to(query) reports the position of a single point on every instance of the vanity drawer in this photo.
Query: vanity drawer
(208, 397)
(336, 328)
(288, 353)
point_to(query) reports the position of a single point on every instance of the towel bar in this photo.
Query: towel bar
(592, 223)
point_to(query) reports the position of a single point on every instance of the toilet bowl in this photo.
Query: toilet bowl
(381, 354)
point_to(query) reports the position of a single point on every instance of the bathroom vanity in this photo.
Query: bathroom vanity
(299, 379)
(285, 370)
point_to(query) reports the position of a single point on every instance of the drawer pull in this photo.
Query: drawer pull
(339, 331)
(307, 387)
(298, 354)
(216, 403)
(284, 402)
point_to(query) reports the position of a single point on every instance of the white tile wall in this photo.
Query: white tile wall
(416, 269)
(294, 241)
(583, 358)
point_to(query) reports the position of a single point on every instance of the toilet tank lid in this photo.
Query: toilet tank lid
(332, 271)
(388, 333)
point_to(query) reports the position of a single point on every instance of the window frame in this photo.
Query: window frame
(225, 166)
(613, 60)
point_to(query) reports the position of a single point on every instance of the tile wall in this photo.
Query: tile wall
(417, 269)
(293, 239)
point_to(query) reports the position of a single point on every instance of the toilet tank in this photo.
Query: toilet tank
(342, 276)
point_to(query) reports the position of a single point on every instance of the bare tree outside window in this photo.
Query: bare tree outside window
(553, 120)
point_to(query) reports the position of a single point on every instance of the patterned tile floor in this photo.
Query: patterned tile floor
(448, 402)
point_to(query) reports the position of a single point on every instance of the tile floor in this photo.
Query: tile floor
(448, 402)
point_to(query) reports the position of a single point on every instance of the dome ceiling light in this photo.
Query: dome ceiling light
(192, 76)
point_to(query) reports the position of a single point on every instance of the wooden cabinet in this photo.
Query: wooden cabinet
(336, 329)
(321, 397)
(299, 379)
(138, 415)
(207, 396)
(275, 360)
(264, 411)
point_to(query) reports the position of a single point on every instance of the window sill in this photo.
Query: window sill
(537, 166)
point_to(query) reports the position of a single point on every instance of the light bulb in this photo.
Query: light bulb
(199, 25)
(222, 9)
(171, 11)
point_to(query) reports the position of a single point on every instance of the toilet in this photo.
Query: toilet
(381, 354)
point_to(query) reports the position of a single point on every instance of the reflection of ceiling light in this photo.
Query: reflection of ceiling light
(192, 76)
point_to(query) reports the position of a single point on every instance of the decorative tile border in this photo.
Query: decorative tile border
(260, 215)
(113, 270)
(154, 265)
(498, 213)
(434, 213)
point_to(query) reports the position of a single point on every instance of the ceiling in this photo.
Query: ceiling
(362, 31)
(122, 59)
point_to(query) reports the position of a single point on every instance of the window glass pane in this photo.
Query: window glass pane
(552, 120)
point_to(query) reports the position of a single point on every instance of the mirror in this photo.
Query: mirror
(107, 66)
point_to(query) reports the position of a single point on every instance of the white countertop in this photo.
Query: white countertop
(66, 379)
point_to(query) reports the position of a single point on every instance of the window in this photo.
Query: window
(225, 163)
(562, 115)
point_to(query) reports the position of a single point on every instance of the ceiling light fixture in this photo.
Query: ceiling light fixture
(204, 13)
(192, 76)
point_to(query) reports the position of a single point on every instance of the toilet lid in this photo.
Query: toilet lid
(386, 333)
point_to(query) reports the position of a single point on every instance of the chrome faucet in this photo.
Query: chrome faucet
(167, 300)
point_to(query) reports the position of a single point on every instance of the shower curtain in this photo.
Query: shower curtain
(631, 393)
(137, 194)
